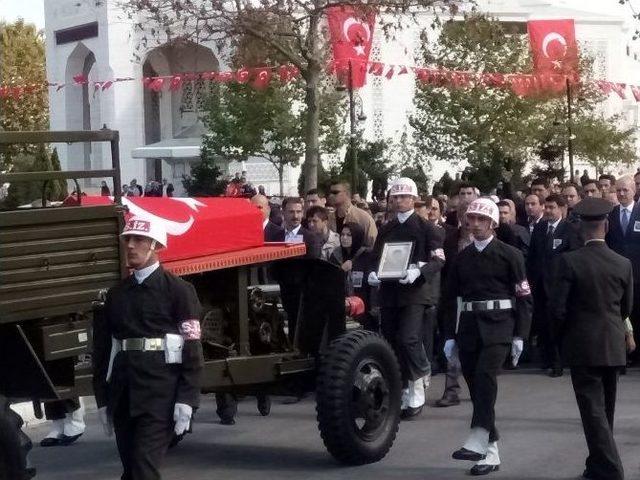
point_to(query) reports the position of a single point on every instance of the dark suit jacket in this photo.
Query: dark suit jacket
(273, 232)
(626, 243)
(542, 256)
(592, 295)
(312, 241)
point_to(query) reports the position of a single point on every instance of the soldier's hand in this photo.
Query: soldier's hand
(373, 280)
(107, 426)
(631, 343)
(411, 276)
(517, 346)
(182, 416)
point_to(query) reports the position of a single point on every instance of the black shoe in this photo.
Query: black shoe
(447, 402)
(556, 372)
(50, 442)
(68, 440)
(587, 474)
(227, 421)
(483, 469)
(410, 413)
(465, 454)
(264, 405)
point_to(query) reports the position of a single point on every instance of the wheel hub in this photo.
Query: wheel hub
(370, 399)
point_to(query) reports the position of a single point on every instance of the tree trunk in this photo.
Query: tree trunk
(281, 179)
(312, 78)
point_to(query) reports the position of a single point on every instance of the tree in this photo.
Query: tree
(373, 165)
(205, 179)
(243, 121)
(22, 54)
(493, 129)
(293, 29)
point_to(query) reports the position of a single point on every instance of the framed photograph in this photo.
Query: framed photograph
(394, 260)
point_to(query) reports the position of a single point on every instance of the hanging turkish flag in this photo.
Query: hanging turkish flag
(553, 45)
(636, 93)
(351, 34)
(619, 88)
(242, 75)
(261, 79)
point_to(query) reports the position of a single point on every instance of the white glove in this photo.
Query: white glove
(517, 345)
(411, 276)
(373, 280)
(107, 426)
(450, 349)
(182, 416)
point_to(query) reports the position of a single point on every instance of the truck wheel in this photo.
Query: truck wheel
(358, 397)
(12, 445)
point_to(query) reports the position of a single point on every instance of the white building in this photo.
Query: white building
(160, 133)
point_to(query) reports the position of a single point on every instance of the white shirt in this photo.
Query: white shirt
(264, 223)
(593, 240)
(629, 209)
(554, 225)
(403, 216)
(290, 236)
(482, 244)
(142, 274)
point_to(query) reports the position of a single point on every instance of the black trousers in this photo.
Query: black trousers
(595, 389)
(429, 330)
(546, 339)
(480, 368)
(57, 409)
(634, 317)
(142, 441)
(402, 327)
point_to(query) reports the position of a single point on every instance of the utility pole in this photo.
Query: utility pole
(353, 133)
(569, 131)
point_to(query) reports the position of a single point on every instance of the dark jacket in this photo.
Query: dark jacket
(626, 243)
(496, 273)
(273, 232)
(592, 295)
(542, 254)
(152, 309)
(427, 242)
(312, 241)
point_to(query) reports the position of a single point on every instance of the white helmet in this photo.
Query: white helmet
(145, 228)
(485, 207)
(404, 186)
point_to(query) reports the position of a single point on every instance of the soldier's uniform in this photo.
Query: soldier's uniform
(403, 302)
(489, 278)
(148, 365)
(593, 294)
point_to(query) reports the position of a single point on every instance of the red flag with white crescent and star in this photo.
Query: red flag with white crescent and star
(553, 46)
(351, 34)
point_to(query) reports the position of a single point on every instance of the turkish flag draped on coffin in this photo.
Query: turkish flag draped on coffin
(351, 31)
(553, 46)
(197, 227)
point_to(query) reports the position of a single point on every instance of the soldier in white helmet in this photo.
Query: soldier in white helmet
(487, 284)
(147, 355)
(403, 301)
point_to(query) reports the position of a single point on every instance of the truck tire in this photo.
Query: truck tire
(358, 396)
(12, 446)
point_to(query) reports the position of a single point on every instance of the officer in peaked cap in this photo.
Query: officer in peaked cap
(147, 355)
(488, 289)
(593, 296)
(403, 301)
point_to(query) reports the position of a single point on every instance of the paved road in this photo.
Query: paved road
(537, 416)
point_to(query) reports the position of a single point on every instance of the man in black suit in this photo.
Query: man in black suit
(551, 237)
(511, 233)
(623, 238)
(593, 294)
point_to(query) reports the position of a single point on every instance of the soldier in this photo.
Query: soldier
(403, 301)
(489, 278)
(147, 388)
(593, 295)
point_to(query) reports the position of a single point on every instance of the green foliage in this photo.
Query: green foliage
(493, 129)
(373, 165)
(205, 179)
(21, 193)
(22, 51)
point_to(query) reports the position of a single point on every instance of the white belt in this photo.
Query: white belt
(484, 305)
(142, 344)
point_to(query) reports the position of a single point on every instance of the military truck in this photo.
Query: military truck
(56, 263)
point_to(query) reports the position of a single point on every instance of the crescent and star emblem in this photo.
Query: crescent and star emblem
(359, 40)
(172, 227)
(554, 37)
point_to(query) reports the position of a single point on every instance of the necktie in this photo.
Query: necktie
(624, 222)
(550, 231)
